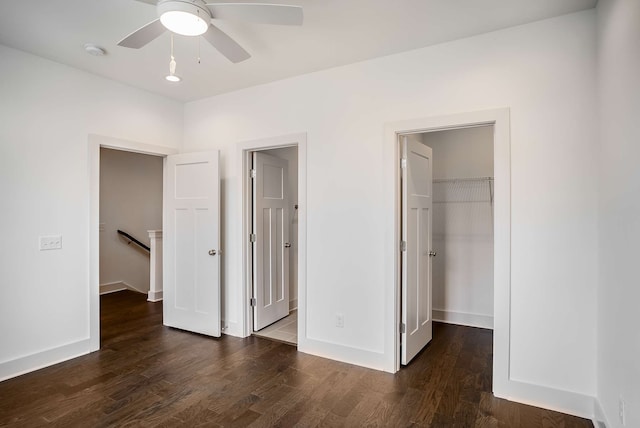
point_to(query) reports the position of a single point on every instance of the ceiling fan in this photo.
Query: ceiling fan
(193, 18)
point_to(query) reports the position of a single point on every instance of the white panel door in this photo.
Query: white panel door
(271, 246)
(191, 220)
(416, 234)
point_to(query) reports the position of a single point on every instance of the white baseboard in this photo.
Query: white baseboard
(232, 329)
(293, 304)
(154, 296)
(568, 402)
(463, 318)
(346, 354)
(39, 360)
(112, 287)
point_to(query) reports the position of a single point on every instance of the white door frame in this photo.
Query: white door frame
(95, 143)
(499, 118)
(244, 150)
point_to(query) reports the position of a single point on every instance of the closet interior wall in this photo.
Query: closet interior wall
(462, 225)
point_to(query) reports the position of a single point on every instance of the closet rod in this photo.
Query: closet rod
(449, 180)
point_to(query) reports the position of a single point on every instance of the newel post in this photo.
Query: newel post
(155, 266)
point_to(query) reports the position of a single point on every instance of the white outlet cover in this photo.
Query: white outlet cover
(51, 242)
(621, 410)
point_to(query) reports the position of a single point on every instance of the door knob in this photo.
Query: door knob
(287, 245)
(432, 253)
(212, 252)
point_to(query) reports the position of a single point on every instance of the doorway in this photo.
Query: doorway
(499, 118)
(191, 237)
(96, 143)
(274, 233)
(130, 209)
(447, 232)
(273, 209)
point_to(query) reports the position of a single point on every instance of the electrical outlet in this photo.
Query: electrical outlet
(339, 320)
(621, 411)
(53, 242)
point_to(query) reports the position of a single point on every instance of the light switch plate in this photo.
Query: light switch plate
(52, 242)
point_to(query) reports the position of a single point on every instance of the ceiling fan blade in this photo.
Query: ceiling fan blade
(225, 45)
(143, 35)
(278, 14)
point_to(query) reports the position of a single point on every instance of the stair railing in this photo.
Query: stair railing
(134, 240)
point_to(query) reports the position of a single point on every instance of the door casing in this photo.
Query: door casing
(499, 118)
(244, 156)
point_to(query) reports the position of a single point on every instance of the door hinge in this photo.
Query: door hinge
(253, 173)
(403, 245)
(252, 301)
(252, 237)
(403, 163)
(403, 328)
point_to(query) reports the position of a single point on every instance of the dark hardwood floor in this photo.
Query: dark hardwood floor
(149, 375)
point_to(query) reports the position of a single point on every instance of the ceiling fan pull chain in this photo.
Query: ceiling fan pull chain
(172, 64)
(198, 50)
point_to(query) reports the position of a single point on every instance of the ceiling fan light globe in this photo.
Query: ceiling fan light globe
(184, 23)
(184, 17)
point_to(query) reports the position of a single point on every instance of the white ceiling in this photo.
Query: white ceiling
(335, 32)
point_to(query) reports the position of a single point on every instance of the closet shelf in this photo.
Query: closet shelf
(463, 190)
(454, 180)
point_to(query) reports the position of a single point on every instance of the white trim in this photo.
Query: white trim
(568, 402)
(243, 150)
(155, 264)
(154, 296)
(463, 318)
(19, 366)
(499, 118)
(94, 144)
(293, 305)
(347, 354)
(112, 287)
(233, 328)
(132, 146)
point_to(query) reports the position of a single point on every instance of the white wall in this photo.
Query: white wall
(130, 200)
(462, 226)
(47, 111)
(545, 73)
(466, 152)
(290, 154)
(619, 225)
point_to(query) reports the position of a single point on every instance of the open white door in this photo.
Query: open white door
(191, 221)
(270, 240)
(416, 247)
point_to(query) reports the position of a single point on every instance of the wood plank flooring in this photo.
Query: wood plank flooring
(149, 375)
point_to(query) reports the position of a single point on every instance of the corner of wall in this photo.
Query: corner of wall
(599, 418)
